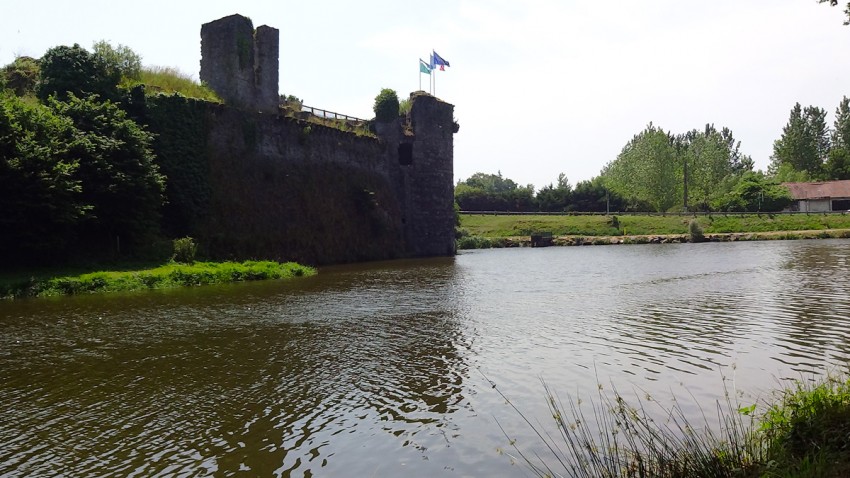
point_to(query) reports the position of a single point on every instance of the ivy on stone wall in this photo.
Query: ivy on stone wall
(180, 125)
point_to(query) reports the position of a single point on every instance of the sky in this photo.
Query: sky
(540, 87)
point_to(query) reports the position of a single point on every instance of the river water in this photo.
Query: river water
(387, 369)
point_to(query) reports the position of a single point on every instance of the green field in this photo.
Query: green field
(509, 226)
(47, 283)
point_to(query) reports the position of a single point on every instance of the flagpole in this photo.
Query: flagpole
(433, 80)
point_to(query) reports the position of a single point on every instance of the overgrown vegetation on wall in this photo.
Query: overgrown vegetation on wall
(180, 126)
(103, 158)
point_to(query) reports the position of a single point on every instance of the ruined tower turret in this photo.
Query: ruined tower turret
(241, 64)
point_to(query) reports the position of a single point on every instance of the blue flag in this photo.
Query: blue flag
(437, 60)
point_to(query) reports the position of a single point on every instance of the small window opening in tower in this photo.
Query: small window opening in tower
(405, 154)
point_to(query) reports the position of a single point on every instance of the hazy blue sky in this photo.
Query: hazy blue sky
(539, 86)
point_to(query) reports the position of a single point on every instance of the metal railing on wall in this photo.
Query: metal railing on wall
(330, 114)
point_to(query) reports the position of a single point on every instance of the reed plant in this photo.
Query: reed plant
(803, 432)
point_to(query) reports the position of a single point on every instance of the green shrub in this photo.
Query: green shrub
(74, 70)
(386, 106)
(475, 242)
(404, 106)
(695, 230)
(20, 76)
(185, 250)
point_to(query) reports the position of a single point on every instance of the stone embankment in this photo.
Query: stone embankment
(682, 238)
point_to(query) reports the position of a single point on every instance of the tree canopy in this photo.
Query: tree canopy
(666, 171)
(73, 70)
(846, 9)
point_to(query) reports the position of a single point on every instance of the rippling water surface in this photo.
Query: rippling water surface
(382, 369)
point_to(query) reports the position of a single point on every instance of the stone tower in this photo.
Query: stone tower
(429, 182)
(241, 64)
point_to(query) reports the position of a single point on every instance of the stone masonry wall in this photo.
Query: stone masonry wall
(288, 189)
(241, 65)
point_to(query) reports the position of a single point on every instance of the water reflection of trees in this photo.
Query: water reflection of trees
(814, 303)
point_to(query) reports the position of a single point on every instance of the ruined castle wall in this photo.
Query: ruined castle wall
(267, 68)
(241, 65)
(429, 179)
(286, 189)
(289, 190)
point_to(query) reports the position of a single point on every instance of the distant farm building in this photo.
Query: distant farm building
(824, 196)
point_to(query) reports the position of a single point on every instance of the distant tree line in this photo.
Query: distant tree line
(493, 192)
(700, 170)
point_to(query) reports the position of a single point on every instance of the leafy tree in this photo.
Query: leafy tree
(555, 198)
(492, 192)
(386, 106)
(804, 144)
(491, 183)
(120, 61)
(74, 70)
(756, 192)
(592, 196)
(39, 189)
(21, 75)
(120, 180)
(648, 169)
(838, 162)
(712, 159)
(846, 10)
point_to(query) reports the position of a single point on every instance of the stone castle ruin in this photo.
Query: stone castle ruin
(241, 64)
(284, 187)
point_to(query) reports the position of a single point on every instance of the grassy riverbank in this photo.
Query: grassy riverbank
(803, 433)
(481, 231)
(170, 275)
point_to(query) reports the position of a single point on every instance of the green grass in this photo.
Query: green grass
(503, 226)
(162, 277)
(805, 433)
(171, 80)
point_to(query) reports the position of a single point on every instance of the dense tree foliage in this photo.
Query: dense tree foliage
(756, 192)
(492, 192)
(593, 196)
(20, 76)
(386, 106)
(692, 170)
(553, 197)
(804, 144)
(838, 161)
(846, 9)
(648, 169)
(39, 189)
(74, 70)
(808, 150)
(120, 179)
(74, 174)
(120, 61)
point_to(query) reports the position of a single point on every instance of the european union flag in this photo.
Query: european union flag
(437, 60)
